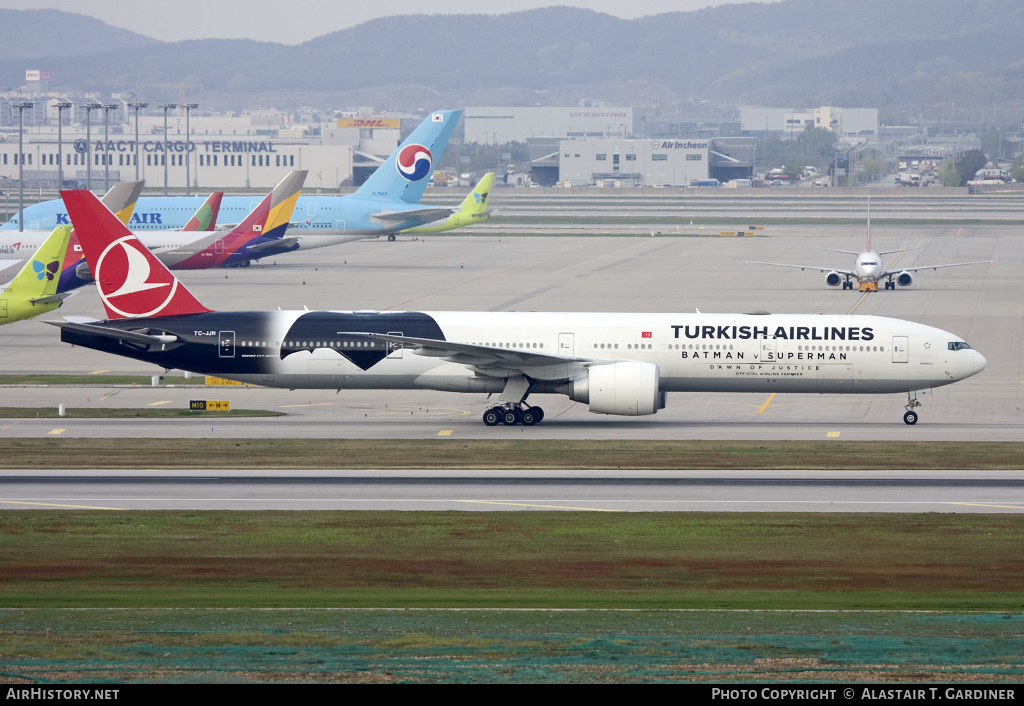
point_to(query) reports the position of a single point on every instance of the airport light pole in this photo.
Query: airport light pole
(135, 107)
(188, 179)
(21, 164)
(166, 107)
(106, 142)
(61, 107)
(89, 107)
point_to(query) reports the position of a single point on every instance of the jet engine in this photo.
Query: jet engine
(832, 279)
(629, 388)
(83, 271)
(904, 279)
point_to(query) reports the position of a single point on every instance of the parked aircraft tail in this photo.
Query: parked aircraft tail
(33, 290)
(473, 209)
(206, 217)
(131, 281)
(404, 175)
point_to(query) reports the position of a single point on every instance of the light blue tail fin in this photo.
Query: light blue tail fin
(404, 175)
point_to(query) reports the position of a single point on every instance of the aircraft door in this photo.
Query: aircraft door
(901, 349)
(395, 349)
(340, 225)
(227, 344)
(311, 209)
(218, 247)
(3, 308)
(566, 346)
(768, 351)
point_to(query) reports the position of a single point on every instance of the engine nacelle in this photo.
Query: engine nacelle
(83, 271)
(832, 279)
(629, 388)
(904, 279)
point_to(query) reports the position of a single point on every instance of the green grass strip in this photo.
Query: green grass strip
(450, 453)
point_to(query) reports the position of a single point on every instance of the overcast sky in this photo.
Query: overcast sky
(296, 22)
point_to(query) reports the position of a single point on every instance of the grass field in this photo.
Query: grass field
(449, 453)
(127, 413)
(367, 646)
(536, 559)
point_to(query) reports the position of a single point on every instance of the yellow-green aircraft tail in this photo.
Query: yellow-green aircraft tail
(33, 291)
(473, 210)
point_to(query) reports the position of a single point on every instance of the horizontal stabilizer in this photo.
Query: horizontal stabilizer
(53, 298)
(419, 215)
(281, 245)
(116, 334)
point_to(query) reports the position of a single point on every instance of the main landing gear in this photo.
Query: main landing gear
(912, 402)
(511, 415)
(391, 237)
(847, 284)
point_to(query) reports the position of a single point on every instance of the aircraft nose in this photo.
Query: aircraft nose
(979, 362)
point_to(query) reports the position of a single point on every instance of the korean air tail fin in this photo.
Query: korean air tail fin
(131, 282)
(404, 175)
(206, 217)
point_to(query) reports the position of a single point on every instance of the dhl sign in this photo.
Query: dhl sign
(393, 123)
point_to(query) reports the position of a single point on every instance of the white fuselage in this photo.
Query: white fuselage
(869, 266)
(694, 352)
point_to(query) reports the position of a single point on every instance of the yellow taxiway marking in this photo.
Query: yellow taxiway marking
(832, 434)
(959, 232)
(762, 408)
(858, 303)
(80, 507)
(154, 404)
(445, 432)
(97, 372)
(553, 507)
(56, 431)
(109, 395)
(1010, 507)
(311, 404)
(10, 425)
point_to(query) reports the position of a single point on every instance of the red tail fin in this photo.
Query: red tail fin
(131, 281)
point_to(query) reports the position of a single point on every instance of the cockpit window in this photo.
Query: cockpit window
(958, 346)
(869, 262)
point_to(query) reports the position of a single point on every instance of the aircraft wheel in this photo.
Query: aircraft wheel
(540, 414)
(391, 237)
(910, 417)
(530, 416)
(510, 417)
(246, 263)
(492, 417)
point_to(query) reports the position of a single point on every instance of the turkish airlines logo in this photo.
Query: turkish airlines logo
(126, 282)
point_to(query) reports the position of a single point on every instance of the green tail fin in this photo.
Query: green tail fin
(37, 281)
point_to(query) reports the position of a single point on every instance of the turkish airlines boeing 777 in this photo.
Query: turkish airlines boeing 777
(616, 363)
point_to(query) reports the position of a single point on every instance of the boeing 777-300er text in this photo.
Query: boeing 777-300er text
(621, 364)
(386, 203)
(869, 270)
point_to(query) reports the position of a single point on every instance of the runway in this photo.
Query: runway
(610, 491)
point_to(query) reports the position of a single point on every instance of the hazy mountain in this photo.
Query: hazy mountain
(28, 34)
(797, 52)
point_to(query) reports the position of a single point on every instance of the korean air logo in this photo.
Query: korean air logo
(414, 162)
(81, 146)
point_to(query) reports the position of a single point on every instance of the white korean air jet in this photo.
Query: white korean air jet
(616, 363)
(869, 269)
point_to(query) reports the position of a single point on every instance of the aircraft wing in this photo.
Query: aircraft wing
(890, 252)
(137, 337)
(850, 273)
(419, 215)
(493, 360)
(933, 267)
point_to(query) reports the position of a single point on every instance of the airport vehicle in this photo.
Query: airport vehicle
(621, 364)
(33, 291)
(386, 203)
(261, 233)
(473, 209)
(869, 270)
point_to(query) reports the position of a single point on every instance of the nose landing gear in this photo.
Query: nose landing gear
(912, 402)
(513, 414)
